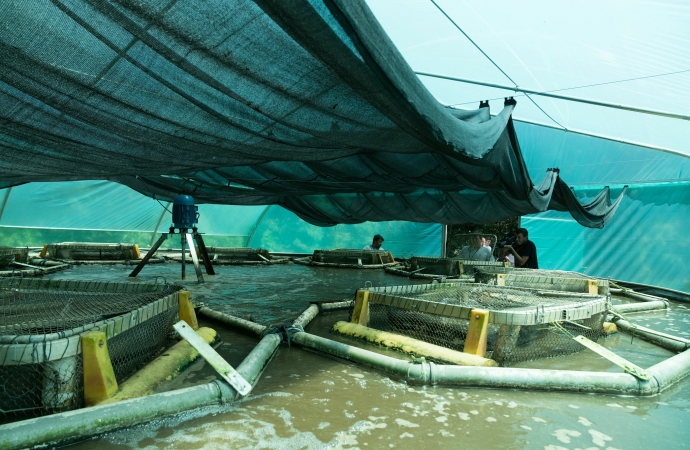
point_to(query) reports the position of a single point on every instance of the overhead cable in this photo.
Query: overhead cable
(560, 97)
(493, 62)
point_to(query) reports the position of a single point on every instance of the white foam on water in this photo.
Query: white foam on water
(440, 407)
(474, 411)
(614, 405)
(490, 419)
(584, 421)
(631, 407)
(464, 416)
(406, 423)
(554, 447)
(356, 375)
(323, 425)
(445, 433)
(406, 435)
(512, 405)
(526, 427)
(538, 419)
(564, 435)
(599, 438)
(573, 406)
(498, 403)
(441, 419)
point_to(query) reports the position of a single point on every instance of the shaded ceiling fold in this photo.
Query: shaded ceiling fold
(303, 104)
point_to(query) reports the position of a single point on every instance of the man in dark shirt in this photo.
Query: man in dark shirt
(524, 251)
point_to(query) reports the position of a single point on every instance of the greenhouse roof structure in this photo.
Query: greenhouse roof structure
(346, 111)
(304, 104)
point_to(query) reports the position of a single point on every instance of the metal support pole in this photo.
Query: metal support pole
(183, 232)
(444, 240)
(148, 256)
(195, 260)
(204, 254)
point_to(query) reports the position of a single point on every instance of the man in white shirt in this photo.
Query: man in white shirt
(375, 244)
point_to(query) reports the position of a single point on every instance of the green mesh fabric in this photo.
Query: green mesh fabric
(303, 104)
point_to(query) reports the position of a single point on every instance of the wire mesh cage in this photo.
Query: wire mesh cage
(91, 251)
(9, 255)
(41, 323)
(524, 324)
(557, 280)
(353, 257)
(239, 255)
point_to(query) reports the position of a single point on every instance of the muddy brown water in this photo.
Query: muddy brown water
(308, 401)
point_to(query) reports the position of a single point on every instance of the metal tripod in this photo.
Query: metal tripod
(185, 239)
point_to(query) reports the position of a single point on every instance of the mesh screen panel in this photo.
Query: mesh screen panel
(40, 326)
(524, 324)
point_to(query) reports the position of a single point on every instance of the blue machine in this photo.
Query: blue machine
(184, 212)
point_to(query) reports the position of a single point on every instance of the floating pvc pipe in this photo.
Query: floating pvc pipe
(638, 307)
(236, 322)
(671, 371)
(83, 423)
(493, 377)
(642, 297)
(673, 343)
(306, 317)
(334, 306)
(663, 374)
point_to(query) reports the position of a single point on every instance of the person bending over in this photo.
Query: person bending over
(523, 250)
(475, 251)
(376, 243)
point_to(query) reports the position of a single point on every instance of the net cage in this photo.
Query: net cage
(449, 266)
(8, 255)
(556, 280)
(239, 255)
(41, 323)
(353, 257)
(91, 251)
(524, 324)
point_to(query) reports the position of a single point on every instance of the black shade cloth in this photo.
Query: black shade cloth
(303, 104)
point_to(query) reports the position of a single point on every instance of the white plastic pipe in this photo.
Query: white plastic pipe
(235, 322)
(639, 307)
(673, 343)
(492, 377)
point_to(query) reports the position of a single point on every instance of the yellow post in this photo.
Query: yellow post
(99, 378)
(360, 313)
(44, 252)
(380, 258)
(186, 310)
(135, 252)
(593, 286)
(500, 279)
(390, 258)
(475, 342)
